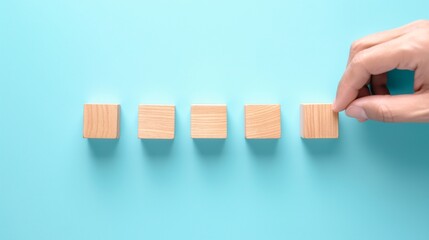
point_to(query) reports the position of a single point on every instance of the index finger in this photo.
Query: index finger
(372, 61)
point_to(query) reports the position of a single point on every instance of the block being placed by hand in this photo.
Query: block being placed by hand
(318, 121)
(262, 121)
(208, 121)
(101, 121)
(156, 121)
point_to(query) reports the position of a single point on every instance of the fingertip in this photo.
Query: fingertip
(357, 112)
(336, 107)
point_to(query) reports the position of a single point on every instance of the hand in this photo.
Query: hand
(369, 61)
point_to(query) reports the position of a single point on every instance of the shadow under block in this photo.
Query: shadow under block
(101, 121)
(318, 121)
(262, 121)
(156, 121)
(208, 121)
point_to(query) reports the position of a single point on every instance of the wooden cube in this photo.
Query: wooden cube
(262, 121)
(156, 121)
(101, 121)
(318, 121)
(208, 121)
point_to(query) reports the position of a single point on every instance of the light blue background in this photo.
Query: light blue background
(372, 183)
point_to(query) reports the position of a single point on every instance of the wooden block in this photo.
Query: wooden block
(318, 121)
(101, 121)
(156, 121)
(262, 121)
(208, 121)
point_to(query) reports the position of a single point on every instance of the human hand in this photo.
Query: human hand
(370, 59)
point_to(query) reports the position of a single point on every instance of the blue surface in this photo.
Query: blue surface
(372, 183)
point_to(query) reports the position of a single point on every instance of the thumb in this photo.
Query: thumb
(387, 108)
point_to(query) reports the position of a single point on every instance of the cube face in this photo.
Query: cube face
(156, 121)
(262, 121)
(101, 121)
(318, 121)
(209, 121)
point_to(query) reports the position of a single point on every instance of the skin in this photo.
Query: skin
(370, 59)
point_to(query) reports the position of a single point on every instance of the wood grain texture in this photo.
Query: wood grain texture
(101, 121)
(318, 121)
(156, 121)
(262, 121)
(208, 121)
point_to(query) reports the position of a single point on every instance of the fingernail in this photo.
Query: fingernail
(357, 112)
(334, 106)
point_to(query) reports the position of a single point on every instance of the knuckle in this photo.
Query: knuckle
(356, 46)
(384, 113)
(407, 50)
(358, 60)
(413, 46)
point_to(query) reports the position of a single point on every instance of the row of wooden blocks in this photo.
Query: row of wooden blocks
(209, 121)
